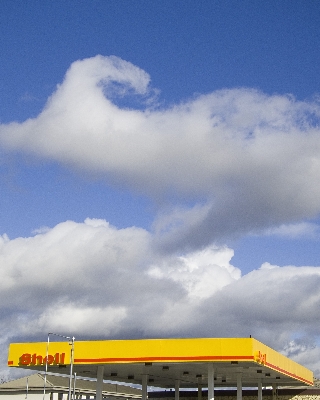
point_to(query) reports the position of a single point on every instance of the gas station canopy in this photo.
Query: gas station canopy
(163, 362)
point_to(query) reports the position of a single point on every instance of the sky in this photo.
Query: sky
(159, 171)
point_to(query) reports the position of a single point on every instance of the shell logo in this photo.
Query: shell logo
(35, 359)
(260, 358)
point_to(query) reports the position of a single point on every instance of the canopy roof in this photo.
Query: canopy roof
(166, 360)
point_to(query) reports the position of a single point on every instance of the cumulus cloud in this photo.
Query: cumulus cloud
(93, 280)
(305, 351)
(74, 268)
(246, 161)
(201, 273)
(276, 304)
(104, 320)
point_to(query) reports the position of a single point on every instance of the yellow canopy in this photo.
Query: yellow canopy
(166, 360)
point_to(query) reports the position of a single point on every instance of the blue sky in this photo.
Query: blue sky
(194, 150)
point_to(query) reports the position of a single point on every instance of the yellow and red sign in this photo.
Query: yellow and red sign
(236, 350)
(36, 359)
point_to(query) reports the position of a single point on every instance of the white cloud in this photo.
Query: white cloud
(42, 229)
(303, 229)
(267, 265)
(68, 257)
(105, 320)
(4, 239)
(93, 265)
(249, 161)
(201, 273)
(93, 280)
(273, 304)
(305, 352)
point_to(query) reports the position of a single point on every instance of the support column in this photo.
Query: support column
(199, 388)
(274, 392)
(259, 389)
(210, 382)
(99, 382)
(144, 387)
(176, 389)
(239, 385)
